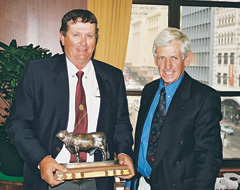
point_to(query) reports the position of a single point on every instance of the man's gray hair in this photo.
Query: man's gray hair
(166, 36)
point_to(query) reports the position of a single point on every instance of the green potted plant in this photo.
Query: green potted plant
(12, 61)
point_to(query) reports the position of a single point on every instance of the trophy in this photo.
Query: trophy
(89, 142)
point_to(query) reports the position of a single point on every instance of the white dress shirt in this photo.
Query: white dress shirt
(92, 94)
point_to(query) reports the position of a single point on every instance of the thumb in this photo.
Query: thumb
(61, 168)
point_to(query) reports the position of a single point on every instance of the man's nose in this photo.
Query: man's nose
(83, 40)
(168, 64)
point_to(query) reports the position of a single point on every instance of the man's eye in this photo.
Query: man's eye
(161, 58)
(89, 36)
(76, 35)
(175, 58)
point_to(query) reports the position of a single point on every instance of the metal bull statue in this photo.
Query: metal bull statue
(89, 142)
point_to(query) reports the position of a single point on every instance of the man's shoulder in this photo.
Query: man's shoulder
(107, 70)
(48, 59)
(202, 86)
(43, 66)
(196, 86)
(104, 65)
(152, 84)
(47, 63)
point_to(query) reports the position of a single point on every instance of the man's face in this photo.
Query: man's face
(170, 62)
(79, 43)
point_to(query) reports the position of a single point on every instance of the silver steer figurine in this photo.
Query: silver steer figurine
(89, 142)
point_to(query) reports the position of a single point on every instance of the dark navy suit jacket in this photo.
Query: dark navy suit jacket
(40, 111)
(189, 150)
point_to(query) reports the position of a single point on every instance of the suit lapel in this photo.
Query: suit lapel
(104, 95)
(60, 78)
(174, 115)
(147, 101)
(148, 95)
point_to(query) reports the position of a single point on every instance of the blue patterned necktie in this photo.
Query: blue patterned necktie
(157, 123)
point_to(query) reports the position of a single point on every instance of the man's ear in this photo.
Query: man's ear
(188, 59)
(155, 60)
(97, 39)
(61, 37)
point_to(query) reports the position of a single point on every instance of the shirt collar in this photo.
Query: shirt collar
(171, 88)
(72, 70)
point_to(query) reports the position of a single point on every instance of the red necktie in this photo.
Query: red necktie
(81, 121)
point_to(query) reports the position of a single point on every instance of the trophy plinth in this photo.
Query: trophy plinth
(90, 142)
(92, 170)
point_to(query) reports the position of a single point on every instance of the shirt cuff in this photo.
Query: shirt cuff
(126, 155)
(127, 183)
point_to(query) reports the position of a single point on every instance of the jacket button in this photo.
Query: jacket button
(177, 162)
(181, 142)
(57, 149)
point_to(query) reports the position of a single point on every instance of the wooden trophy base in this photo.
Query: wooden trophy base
(92, 170)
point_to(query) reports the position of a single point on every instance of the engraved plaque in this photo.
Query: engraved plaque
(92, 170)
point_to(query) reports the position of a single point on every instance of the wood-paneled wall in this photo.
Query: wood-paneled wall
(35, 21)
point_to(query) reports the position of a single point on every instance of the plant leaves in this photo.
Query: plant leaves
(13, 44)
(13, 59)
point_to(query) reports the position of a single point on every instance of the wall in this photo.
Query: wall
(34, 21)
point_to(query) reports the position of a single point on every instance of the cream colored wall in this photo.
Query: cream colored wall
(142, 33)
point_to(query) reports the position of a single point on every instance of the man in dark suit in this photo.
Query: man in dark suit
(44, 104)
(188, 147)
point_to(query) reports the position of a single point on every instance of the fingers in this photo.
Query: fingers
(126, 160)
(47, 168)
(61, 168)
